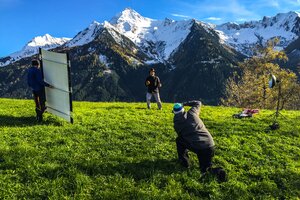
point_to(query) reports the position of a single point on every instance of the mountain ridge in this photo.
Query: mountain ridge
(160, 38)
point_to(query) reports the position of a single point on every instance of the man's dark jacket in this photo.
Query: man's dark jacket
(190, 127)
(35, 79)
(154, 84)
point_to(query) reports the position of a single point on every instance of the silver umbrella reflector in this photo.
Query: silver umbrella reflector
(272, 81)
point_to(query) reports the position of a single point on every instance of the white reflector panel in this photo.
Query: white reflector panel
(56, 71)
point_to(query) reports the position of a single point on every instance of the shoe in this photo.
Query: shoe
(39, 118)
(184, 164)
(220, 173)
(221, 176)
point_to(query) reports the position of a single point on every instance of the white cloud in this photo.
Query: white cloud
(179, 15)
(212, 6)
(241, 20)
(214, 18)
(266, 3)
(274, 4)
(224, 9)
(235, 10)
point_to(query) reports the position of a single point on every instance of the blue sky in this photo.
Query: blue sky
(22, 20)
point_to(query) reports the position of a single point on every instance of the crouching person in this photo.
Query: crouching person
(193, 136)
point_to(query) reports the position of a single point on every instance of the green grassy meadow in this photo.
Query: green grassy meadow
(124, 151)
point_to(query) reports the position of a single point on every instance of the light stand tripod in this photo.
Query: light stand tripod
(275, 125)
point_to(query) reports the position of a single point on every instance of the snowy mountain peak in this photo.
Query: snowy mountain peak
(85, 36)
(128, 15)
(160, 36)
(131, 24)
(46, 41)
(32, 47)
(289, 15)
(157, 38)
(94, 24)
(284, 20)
(285, 26)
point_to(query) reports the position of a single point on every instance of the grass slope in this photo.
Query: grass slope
(123, 151)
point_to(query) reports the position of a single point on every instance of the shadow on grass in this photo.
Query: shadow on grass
(124, 107)
(115, 107)
(139, 108)
(12, 121)
(139, 171)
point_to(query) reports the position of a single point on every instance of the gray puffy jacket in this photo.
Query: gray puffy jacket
(190, 127)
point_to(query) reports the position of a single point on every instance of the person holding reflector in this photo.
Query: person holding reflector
(193, 136)
(37, 84)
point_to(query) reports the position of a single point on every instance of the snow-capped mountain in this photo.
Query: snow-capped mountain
(157, 38)
(85, 36)
(160, 39)
(32, 47)
(243, 37)
(131, 24)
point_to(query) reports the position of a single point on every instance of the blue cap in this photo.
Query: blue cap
(177, 107)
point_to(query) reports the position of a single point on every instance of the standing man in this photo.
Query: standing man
(193, 136)
(153, 84)
(37, 84)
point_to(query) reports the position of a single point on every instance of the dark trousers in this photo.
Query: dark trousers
(204, 155)
(40, 106)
